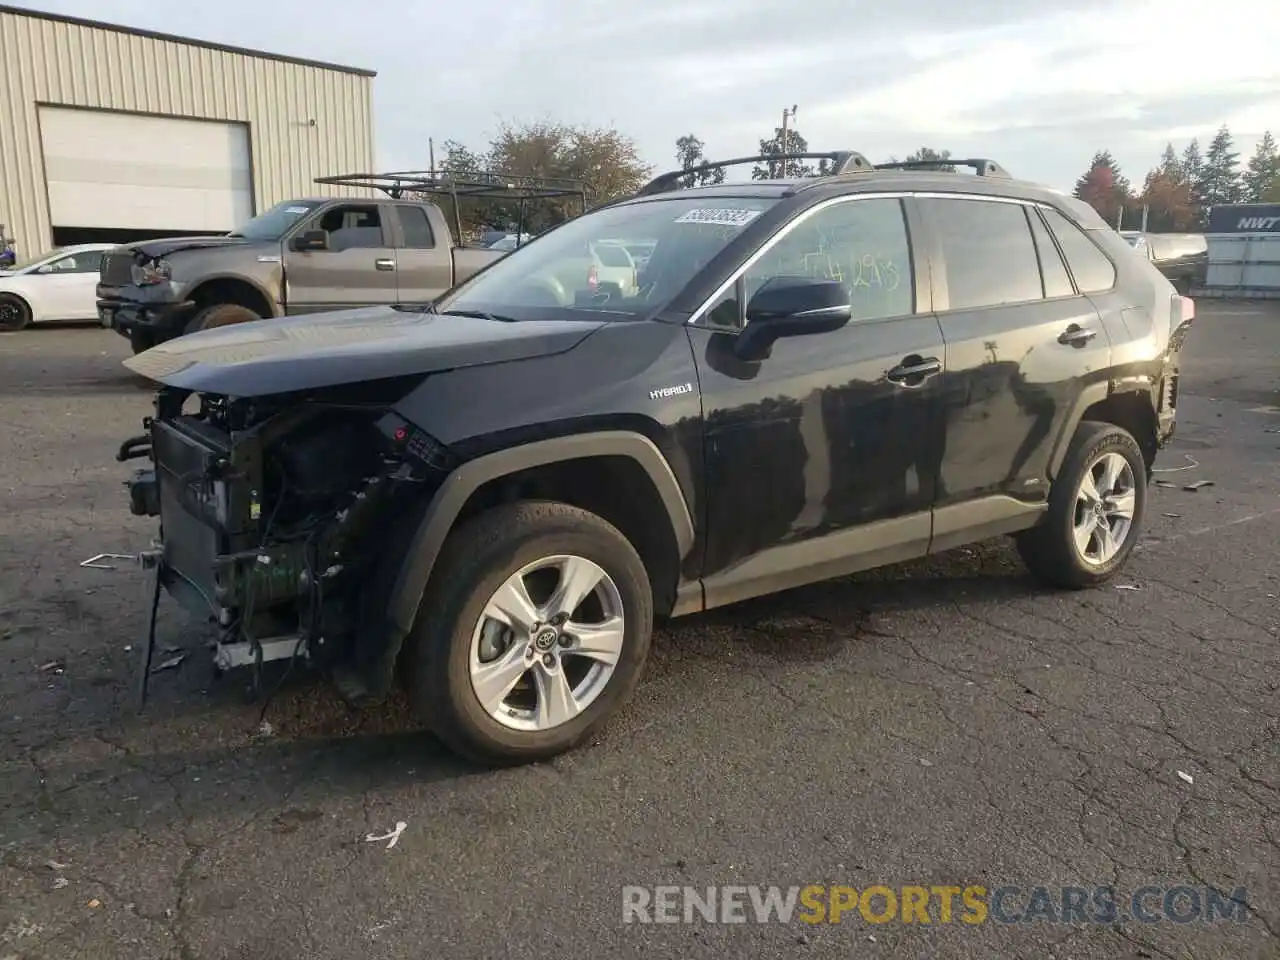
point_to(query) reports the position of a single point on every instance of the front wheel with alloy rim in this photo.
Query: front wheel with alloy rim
(1095, 512)
(533, 631)
(14, 313)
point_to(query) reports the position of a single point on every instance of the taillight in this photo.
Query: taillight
(1188, 309)
(593, 277)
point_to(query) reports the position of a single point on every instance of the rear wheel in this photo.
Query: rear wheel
(1095, 513)
(220, 315)
(532, 633)
(15, 314)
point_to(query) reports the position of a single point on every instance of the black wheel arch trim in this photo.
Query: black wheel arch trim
(1093, 393)
(449, 499)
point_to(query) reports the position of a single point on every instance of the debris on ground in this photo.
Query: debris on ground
(265, 729)
(925, 763)
(1128, 586)
(95, 903)
(59, 883)
(55, 865)
(1185, 776)
(393, 836)
(171, 663)
(1196, 485)
(1191, 464)
(1165, 483)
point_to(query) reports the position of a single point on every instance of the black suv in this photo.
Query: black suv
(494, 496)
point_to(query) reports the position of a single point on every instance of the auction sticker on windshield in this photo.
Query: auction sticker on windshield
(724, 217)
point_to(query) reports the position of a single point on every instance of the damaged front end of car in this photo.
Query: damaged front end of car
(279, 515)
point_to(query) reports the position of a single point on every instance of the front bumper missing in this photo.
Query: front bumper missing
(126, 317)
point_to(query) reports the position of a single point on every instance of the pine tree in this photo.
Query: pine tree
(1170, 166)
(1221, 180)
(1262, 171)
(1193, 171)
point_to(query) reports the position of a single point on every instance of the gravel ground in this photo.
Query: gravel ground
(942, 723)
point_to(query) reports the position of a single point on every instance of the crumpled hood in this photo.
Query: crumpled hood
(330, 349)
(164, 246)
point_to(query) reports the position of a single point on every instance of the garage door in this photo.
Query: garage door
(119, 171)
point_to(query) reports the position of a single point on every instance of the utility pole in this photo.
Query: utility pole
(785, 115)
(431, 152)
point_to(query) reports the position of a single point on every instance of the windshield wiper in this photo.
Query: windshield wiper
(476, 314)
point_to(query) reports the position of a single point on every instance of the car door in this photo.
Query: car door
(821, 459)
(67, 286)
(424, 262)
(1021, 343)
(357, 269)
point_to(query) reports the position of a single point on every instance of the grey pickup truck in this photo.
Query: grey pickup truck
(308, 256)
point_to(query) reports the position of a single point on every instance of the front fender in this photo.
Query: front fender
(378, 656)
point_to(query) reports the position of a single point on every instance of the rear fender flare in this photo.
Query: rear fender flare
(448, 501)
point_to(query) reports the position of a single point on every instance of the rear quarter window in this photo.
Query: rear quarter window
(1093, 270)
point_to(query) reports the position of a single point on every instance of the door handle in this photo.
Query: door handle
(914, 368)
(1076, 336)
(385, 264)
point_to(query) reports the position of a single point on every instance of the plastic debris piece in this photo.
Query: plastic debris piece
(60, 883)
(1185, 776)
(1128, 586)
(55, 865)
(925, 763)
(265, 729)
(1174, 516)
(54, 666)
(171, 663)
(1165, 483)
(1191, 464)
(1198, 484)
(393, 836)
(95, 903)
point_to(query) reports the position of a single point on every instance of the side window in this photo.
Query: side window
(1094, 273)
(88, 262)
(352, 227)
(861, 243)
(1057, 282)
(416, 228)
(989, 253)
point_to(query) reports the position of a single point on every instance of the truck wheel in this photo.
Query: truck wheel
(14, 313)
(1095, 513)
(220, 315)
(532, 632)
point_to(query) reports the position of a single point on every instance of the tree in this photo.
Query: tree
(1193, 171)
(1220, 181)
(1263, 169)
(1170, 166)
(928, 153)
(689, 154)
(783, 169)
(1167, 197)
(1103, 187)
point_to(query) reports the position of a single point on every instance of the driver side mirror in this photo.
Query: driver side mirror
(45, 268)
(311, 240)
(791, 307)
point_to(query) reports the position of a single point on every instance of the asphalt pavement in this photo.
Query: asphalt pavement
(939, 724)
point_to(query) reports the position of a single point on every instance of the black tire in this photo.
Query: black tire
(15, 313)
(476, 560)
(1049, 549)
(140, 340)
(220, 315)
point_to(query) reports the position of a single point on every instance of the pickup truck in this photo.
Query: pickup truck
(301, 256)
(312, 256)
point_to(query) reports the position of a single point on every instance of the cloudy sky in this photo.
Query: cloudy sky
(1038, 86)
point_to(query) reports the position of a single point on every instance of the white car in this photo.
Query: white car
(62, 285)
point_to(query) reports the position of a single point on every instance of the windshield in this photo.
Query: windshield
(562, 269)
(276, 222)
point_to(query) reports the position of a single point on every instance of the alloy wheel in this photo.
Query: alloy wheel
(547, 643)
(1104, 508)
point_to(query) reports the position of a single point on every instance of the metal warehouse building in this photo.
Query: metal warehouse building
(111, 134)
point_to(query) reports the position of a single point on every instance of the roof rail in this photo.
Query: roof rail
(842, 161)
(980, 166)
(474, 185)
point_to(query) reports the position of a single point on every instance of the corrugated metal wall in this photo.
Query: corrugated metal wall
(45, 61)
